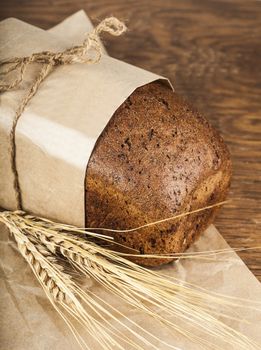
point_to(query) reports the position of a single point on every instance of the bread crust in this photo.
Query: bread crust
(156, 158)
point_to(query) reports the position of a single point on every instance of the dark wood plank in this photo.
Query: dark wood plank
(211, 51)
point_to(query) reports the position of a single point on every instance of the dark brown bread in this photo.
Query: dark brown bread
(156, 158)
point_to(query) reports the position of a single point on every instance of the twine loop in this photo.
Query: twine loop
(50, 60)
(75, 54)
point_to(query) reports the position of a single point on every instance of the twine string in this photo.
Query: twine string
(50, 60)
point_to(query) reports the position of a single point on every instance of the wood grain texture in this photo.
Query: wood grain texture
(210, 50)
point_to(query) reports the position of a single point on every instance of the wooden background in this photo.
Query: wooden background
(211, 51)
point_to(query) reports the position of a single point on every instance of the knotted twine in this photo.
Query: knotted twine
(51, 60)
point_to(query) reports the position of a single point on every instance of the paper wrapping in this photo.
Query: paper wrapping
(57, 131)
(28, 321)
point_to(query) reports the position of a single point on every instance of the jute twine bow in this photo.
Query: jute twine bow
(50, 60)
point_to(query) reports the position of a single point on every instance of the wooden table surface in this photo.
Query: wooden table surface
(211, 51)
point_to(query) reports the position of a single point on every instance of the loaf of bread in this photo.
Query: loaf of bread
(156, 158)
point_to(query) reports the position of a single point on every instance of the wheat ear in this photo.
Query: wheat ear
(72, 302)
(140, 287)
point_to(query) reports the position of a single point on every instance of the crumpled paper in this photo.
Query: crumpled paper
(28, 320)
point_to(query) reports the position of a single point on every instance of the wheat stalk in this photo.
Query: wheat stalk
(129, 281)
(39, 240)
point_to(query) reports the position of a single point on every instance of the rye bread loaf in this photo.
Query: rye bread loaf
(156, 158)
